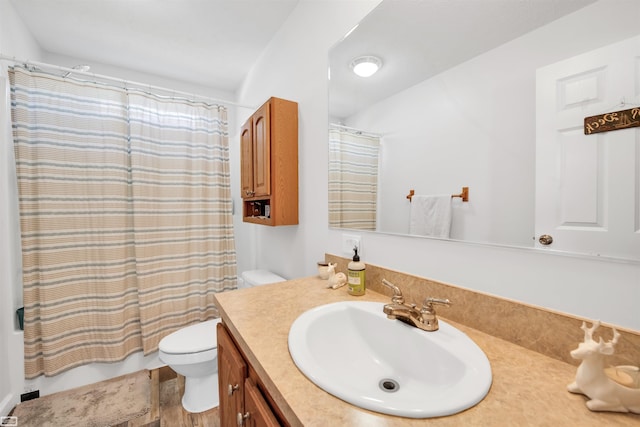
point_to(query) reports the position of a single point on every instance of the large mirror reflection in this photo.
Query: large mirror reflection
(491, 97)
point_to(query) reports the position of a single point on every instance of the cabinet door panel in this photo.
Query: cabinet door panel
(232, 370)
(259, 413)
(262, 151)
(246, 158)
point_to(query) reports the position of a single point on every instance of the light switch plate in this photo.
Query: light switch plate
(349, 241)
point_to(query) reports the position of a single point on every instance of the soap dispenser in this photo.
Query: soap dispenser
(355, 275)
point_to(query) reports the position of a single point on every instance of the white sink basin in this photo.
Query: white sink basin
(351, 350)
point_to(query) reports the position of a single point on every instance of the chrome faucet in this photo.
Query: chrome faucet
(425, 318)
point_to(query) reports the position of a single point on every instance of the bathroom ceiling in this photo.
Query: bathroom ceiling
(215, 43)
(212, 43)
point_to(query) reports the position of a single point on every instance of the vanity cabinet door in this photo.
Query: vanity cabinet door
(257, 411)
(232, 371)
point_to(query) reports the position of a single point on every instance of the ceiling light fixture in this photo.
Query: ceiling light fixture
(366, 66)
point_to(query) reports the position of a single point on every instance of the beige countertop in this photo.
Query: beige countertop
(528, 389)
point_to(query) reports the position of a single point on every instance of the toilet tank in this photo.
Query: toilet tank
(253, 278)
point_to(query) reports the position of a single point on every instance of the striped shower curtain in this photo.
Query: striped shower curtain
(89, 249)
(182, 225)
(353, 179)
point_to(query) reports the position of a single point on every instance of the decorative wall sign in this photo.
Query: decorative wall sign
(612, 121)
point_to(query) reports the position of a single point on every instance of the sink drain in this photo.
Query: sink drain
(389, 385)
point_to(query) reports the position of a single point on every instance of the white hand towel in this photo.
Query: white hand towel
(431, 215)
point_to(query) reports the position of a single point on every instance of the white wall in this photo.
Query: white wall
(14, 41)
(294, 66)
(10, 337)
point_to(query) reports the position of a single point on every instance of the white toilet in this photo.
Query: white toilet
(253, 278)
(193, 352)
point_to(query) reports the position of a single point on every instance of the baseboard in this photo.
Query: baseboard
(6, 404)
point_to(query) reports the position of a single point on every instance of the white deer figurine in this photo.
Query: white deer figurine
(335, 279)
(592, 381)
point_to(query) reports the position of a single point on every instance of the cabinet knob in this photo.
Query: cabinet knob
(233, 388)
(241, 418)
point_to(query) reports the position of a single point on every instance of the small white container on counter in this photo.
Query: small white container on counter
(323, 270)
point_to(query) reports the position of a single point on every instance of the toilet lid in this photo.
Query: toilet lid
(191, 339)
(261, 277)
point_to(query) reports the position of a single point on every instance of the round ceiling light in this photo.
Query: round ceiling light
(366, 66)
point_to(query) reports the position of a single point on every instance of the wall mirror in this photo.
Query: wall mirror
(491, 96)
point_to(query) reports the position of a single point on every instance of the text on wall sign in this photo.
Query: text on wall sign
(612, 121)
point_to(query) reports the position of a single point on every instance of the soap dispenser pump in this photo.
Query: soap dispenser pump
(355, 275)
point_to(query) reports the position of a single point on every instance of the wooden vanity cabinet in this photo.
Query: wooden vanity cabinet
(242, 400)
(269, 164)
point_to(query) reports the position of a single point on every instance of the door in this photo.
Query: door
(262, 151)
(587, 186)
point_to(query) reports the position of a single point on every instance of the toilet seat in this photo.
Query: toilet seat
(198, 338)
(187, 358)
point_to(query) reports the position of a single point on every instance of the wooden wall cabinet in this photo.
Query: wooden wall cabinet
(242, 399)
(269, 164)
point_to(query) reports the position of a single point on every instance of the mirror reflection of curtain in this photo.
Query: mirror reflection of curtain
(353, 179)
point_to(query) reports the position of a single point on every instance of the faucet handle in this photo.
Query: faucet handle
(397, 298)
(429, 318)
(427, 305)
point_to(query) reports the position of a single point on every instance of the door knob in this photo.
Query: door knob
(545, 239)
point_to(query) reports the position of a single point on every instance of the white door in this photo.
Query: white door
(588, 186)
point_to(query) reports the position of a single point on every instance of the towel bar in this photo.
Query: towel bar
(464, 195)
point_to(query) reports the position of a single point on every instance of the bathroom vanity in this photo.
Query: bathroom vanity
(529, 388)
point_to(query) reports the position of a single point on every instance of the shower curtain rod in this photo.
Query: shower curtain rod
(357, 131)
(125, 82)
